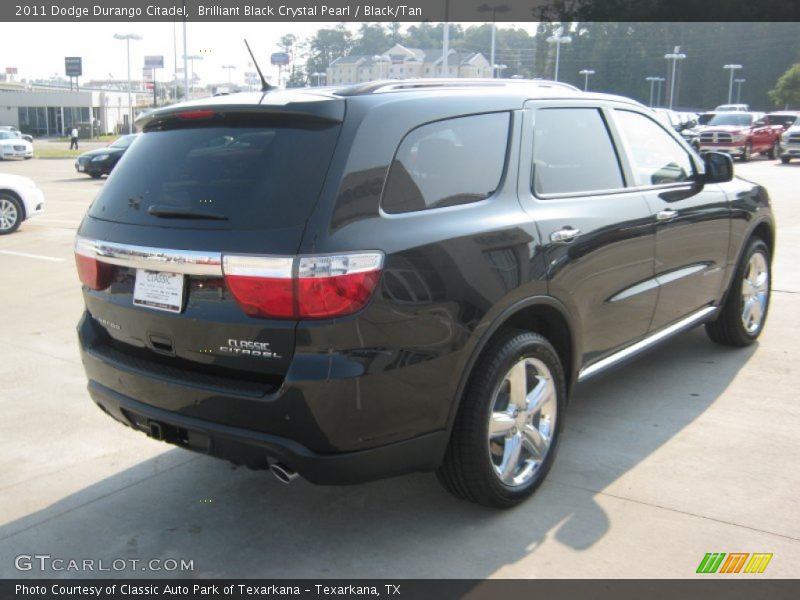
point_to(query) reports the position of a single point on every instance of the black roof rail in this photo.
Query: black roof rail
(393, 85)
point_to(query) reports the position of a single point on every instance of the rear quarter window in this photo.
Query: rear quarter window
(449, 162)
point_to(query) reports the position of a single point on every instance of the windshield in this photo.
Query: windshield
(739, 120)
(244, 177)
(705, 118)
(785, 121)
(123, 142)
(7, 135)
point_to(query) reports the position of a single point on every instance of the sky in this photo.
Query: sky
(38, 49)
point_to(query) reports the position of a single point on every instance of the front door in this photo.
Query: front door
(692, 221)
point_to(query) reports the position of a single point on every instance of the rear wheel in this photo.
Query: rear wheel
(508, 426)
(95, 175)
(742, 317)
(10, 214)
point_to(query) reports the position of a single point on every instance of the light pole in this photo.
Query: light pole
(732, 69)
(128, 37)
(191, 58)
(558, 39)
(739, 83)
(652, 81)
(586, 73)
(494, 9)
(229, 68)
(674, 57)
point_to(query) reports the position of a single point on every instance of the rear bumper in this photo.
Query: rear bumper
(258, 450)
(326, 429)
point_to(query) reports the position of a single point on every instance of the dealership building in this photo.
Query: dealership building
(51, 111)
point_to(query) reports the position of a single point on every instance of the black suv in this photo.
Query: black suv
(353, 283)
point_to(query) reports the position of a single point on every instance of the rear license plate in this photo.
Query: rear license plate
(80, 167)
(159, 290)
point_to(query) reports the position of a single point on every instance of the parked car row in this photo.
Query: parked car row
(735, 130)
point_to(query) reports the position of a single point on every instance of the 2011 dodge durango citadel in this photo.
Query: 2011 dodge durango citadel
(353, 283)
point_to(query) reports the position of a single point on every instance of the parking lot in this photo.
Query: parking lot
(691, 449)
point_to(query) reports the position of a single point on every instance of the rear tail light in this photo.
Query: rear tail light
(93, 273)
(307, 287)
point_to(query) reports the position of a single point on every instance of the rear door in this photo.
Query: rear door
(598, 235)
(692, 222)
(187, 193)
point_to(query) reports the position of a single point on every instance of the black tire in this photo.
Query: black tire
(747, 152)
(95, 175)
(468, 470)
(785, 160)
(11, 213)
(728, 328)
(775, 151)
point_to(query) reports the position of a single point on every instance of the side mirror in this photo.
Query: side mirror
(719, 167)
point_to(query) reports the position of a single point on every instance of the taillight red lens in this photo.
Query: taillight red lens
(93, 273)
(196, 114)
(322, 287)
(262, 285)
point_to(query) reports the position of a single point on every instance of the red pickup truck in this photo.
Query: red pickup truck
(742, 134)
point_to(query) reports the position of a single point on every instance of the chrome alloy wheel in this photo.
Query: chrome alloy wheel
(8, 214)
(522, 421)
(755, 292)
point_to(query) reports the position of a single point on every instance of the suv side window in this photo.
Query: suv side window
(573, 153)
(656, 158)
(455, 161)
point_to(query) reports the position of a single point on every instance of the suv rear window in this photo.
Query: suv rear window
(455, 161)
(246, 177)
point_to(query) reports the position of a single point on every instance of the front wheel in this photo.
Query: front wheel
(10, 214)
(747, 152)
(785, 160)
(775, 151)
(507, 429)
(744, 313)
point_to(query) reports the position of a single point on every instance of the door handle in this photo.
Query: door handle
(567, 234)
(666, 215)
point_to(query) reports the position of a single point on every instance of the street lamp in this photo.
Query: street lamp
(732, 69)
(494, 9)
(229, 68)
(739, 83)
(191, 58)
(586, 73)
(652, 81)
(674, 57)
(128, 37)
(558, 39)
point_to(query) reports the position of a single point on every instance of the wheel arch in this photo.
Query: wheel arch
(541, 314)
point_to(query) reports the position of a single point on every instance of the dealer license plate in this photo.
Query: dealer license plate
(159, 290)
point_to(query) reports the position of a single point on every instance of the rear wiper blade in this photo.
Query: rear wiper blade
(179, 212)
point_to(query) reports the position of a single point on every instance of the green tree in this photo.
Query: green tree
(787, 91)
(326, 46)
(372, 38)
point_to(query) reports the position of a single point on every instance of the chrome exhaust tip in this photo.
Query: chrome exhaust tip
(283, 473)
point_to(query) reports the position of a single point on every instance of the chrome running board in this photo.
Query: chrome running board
(641, 345)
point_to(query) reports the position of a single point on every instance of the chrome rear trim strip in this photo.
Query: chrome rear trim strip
(188, 262)
(647, 342)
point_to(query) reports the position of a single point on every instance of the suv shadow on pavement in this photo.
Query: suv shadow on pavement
(240, 523)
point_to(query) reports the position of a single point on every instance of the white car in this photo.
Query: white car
(20, 199)
(12, 146)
